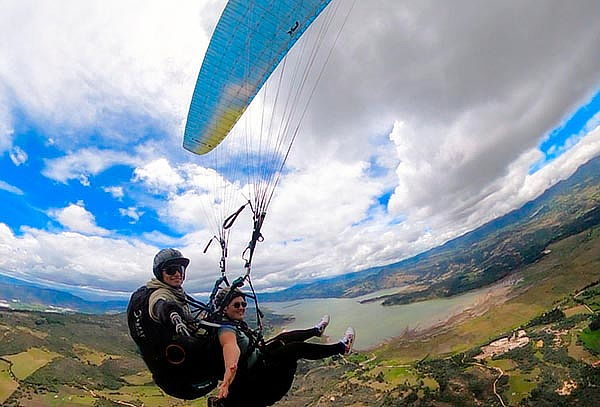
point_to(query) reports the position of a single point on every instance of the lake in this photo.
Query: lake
(374, 323)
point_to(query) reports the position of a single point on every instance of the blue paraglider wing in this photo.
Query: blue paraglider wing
(249, 41)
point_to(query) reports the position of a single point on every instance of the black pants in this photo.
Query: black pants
(271, 378)
(290, 347)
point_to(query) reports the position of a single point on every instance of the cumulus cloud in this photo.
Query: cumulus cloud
(117, 192)
(131, 212)
(86, 162)
(159, 176)
(78, 219)
(343, 196)
(6, 129)
(75, 259)
(95, 262)
(101, 63)
(193, 196)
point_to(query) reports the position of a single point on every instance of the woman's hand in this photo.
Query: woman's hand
(223, 390)
(227, 379)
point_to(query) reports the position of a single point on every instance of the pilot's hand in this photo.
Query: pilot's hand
(180, 326)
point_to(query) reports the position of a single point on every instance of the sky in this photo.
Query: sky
(428, 122)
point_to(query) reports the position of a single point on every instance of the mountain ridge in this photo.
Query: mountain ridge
(23, 294)
(474, 259)
(568, 207)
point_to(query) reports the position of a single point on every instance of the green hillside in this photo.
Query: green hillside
(53, 359)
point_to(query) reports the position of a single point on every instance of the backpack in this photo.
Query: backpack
(150, 336)
(195, 368)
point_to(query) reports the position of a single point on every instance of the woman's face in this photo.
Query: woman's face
(236, 309)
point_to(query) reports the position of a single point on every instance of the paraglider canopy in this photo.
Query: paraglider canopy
(250, 40)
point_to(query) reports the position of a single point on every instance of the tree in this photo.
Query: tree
(595, 324)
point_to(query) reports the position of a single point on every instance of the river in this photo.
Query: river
(374, 323)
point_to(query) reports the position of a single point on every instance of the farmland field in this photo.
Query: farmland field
(7, 384)
(25, 363)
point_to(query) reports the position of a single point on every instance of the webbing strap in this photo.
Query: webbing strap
(227, 223)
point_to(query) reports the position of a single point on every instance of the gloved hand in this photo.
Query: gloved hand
(180, 326)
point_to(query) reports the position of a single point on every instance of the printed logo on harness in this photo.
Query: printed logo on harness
(137, 323)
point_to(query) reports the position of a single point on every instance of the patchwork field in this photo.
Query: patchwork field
(67, 397)
(139, 379)
(520, 385)
(591, 340)
(25, 363)
(148, 395)
(89, 355)
(7, 384)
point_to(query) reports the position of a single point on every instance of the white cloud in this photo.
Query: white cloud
(160, 239)
(96, 262)
(10, 188)
(78, 219)
(6, 129)
(334, 193)
(117, 192)
(592, 123)
(86, 162)
(97, 60)
(159, 176)
(75, 259)
(562, 167)
(18, 156)
(131, 212)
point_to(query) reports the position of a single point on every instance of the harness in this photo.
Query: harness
(183, 366)
(151, 337)
(213, 310)
(255, 339)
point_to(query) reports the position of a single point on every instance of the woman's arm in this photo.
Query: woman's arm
(231, 355)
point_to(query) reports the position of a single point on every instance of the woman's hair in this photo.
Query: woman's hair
(224, 293)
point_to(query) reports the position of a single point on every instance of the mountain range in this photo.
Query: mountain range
(477, 258)
(20, 294)
(473, 260)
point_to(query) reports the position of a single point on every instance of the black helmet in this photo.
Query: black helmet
(225, 296)
(165, 257)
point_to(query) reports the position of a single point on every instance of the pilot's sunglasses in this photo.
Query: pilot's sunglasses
(237, 305)
(171, 270)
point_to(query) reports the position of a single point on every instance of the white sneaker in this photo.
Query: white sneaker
(322, 324)
(348, 339)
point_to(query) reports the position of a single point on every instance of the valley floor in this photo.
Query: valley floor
(526, 344)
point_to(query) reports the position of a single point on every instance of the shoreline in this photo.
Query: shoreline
(384, 326)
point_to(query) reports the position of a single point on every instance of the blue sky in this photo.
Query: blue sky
(425, 125)
(574, 127)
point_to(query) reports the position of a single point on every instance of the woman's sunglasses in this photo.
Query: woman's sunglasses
(171, 270)
(242, 304)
